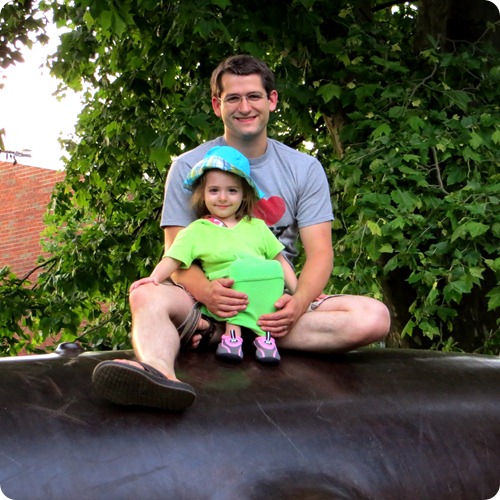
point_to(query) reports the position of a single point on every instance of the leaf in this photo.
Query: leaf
(460, 98)
(429, 330)
(494, 265)
(372, 249)
(406, 200)
(396, 112)
(475, 141)
(106, 19)
(454, 290)
(392, 65)
(329, 91)
(411, 158)
(408, 329)
(383, 129)
(386, 248)
(455, 173)
(494, 298)
(476, 229)
(471, 155)
(495, 137)
(415, 122)
(374, 228)
(366, 91)
(119, 24)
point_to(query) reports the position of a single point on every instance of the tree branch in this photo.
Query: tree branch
(333, 126)
(438, 171)
(428, 77)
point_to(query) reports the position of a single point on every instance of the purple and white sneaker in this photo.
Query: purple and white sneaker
(230, 348)
(266, 351)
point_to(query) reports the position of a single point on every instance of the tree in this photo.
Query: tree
(21, 24)
(405, 126)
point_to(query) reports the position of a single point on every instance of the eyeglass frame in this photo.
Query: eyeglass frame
(243, 97)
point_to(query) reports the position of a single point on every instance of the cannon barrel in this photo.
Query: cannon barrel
(371, 424)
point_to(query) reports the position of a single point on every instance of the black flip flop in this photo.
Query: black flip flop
(188, 329)
(126, 384)
(206, 335)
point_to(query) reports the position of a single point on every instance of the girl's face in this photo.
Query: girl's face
(223, 195)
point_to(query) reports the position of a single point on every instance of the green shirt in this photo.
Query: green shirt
(244, 253)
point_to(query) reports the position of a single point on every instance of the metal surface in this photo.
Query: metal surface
(372, 424)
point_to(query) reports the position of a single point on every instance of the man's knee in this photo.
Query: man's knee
(145, 295)
(380, 320)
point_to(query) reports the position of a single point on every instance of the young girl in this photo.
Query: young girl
(228, 242)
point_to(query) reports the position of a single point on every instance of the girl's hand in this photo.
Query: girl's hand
(142, 281)
(321, 296)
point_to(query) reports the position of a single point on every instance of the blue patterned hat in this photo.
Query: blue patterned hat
(226, 159)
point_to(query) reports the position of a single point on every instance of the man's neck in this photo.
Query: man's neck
(253, 148)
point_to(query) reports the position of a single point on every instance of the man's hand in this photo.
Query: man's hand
(283, 320)
(220, 299)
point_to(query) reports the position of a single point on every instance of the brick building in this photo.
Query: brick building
(24, 197)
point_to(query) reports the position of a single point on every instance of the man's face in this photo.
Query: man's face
(244, 115)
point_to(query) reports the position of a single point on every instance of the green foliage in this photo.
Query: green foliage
(419, 186)
(15, 300)
(409, 142)
(21, 24)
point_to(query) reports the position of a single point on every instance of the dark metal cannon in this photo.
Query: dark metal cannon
(371, 424)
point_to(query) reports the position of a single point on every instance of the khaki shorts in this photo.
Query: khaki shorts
(312, 307)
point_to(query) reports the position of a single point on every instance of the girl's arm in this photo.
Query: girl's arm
(290, 278)
(164, 269)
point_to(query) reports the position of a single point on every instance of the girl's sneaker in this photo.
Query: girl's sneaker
(230, 348)
(266, 351)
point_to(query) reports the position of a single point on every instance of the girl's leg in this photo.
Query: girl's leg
(230, 347)
(235, 328)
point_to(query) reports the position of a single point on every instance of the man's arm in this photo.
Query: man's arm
(288, 273)
(317, 243)
(217, 295)
(318, 266)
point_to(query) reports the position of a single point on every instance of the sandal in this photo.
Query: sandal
(188, 329)
(230, 348)
(126, 384)
(266, 351)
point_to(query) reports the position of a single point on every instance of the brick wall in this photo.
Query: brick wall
(24, 197)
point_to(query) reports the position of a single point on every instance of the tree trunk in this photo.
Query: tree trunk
(451, 22)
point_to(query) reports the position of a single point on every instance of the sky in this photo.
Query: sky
(33, 118)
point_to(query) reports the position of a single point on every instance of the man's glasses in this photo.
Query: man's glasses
(234, 99)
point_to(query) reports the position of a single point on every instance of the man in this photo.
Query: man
(297, 205)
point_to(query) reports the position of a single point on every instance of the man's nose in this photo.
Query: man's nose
(244, 105)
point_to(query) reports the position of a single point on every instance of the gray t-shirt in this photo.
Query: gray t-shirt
(295, 186)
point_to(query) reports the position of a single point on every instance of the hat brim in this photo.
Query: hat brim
(218, 163)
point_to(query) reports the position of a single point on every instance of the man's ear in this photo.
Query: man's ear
(273, 100)
(216, 106)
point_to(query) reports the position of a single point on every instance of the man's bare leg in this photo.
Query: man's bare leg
(157, 310)
(150, 381)
(341, 323)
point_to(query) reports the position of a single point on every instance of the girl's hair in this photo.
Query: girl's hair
(198, 197)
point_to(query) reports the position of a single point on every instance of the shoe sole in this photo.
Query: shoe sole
(230, 358)
(130, 386)
(268, 361)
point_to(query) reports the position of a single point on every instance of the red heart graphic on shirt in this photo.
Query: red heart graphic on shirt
(270, 210)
